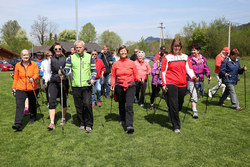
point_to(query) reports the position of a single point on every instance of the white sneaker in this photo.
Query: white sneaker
(228, 98)
(195, 114)
(177, 131)
(210, 93)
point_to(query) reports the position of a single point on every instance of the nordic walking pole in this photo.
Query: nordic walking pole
(245, 90)
(62, 99)
(100, 115)
(112, 96)
(162, 96)
(38, 106)
(207, 95)
(188, 103)
(72, 120)
(215, 92)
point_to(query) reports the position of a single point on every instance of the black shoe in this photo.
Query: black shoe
(17, 127)
(130, 130)
(32, 121)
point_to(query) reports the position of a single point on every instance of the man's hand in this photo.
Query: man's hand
(92, 81)
(31, 80)
(245, 68)
(112, 88)
(102, 51)
(226, 75)
(164, 88)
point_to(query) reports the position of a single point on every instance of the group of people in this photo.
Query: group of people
(127, 78)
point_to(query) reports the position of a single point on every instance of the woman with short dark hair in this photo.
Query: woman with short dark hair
(123, 77)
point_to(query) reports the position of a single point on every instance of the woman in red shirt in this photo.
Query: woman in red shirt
(175, 67)
(123, 77)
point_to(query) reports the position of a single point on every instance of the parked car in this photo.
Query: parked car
(5, 66)
(13, 61)
(150, 58)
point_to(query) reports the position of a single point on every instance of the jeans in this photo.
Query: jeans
(230, 90)
(106, 83)
(98, 86)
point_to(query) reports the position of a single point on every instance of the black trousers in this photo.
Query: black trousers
(83, 105)
(54, 92)
(175, 98)
(126, 99)
(155, 91)
(20, 104)
(141, 88)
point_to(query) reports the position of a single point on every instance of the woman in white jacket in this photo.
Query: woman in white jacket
(45, 68)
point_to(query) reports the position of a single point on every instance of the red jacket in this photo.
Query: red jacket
(218, 60)
(124, 71)
(174, 70)
(21, 76)
(99, 67)
(142, 68)
(157, 56)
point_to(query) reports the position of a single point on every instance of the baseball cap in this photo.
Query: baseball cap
(226, 49)
(162, 48)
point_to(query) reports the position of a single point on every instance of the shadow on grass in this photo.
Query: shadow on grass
(112, 117)
(160, 119)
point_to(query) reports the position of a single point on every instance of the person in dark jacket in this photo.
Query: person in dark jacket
(134, 56)
(229, 70)
(107, 61)
(58, 61)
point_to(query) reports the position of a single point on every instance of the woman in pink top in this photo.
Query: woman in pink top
(143, 69)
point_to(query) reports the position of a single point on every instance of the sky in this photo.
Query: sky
(130, 19)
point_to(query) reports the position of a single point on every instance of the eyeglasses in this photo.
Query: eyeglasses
(57, 49)
(94, 54)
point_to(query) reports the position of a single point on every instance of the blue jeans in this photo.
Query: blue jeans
(106, 82)
(97, 84)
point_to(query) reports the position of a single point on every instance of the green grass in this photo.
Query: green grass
(219, 138)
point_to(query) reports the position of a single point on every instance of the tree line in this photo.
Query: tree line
(211, 37)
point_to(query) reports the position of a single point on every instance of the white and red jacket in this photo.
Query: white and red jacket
(142, 68)
(99, 67)
(124, 72)
(174, 70)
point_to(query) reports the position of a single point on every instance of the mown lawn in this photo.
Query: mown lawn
(219, 138)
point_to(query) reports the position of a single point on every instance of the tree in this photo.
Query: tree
(14, 37)
(9, 31)
(88, 33)
(111, 39)
(142, 45)
(67, 35)
(42, 28)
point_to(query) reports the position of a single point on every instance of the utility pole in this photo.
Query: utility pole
(161, 34)
(229, 34)
(76, 20)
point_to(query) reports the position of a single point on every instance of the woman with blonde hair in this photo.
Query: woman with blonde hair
(26, 72)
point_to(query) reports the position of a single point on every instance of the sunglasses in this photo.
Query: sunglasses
(58, 49)
(94, 54)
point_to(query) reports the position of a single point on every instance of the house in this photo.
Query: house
(6, 54)
(66, 48)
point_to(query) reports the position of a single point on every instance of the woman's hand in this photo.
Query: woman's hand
(112, 88)
(164, 88)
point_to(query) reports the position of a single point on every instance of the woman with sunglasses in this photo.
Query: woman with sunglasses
(26, 72)
(175, 66)
(100, 68)
(123, 77)
(58, 61)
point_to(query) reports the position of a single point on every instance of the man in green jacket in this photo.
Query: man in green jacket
(83, 69)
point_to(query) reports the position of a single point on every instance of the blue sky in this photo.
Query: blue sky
(130, 19)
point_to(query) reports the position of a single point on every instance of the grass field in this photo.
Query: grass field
(219, 138)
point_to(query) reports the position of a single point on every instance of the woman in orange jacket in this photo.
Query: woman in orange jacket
(26, 72)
